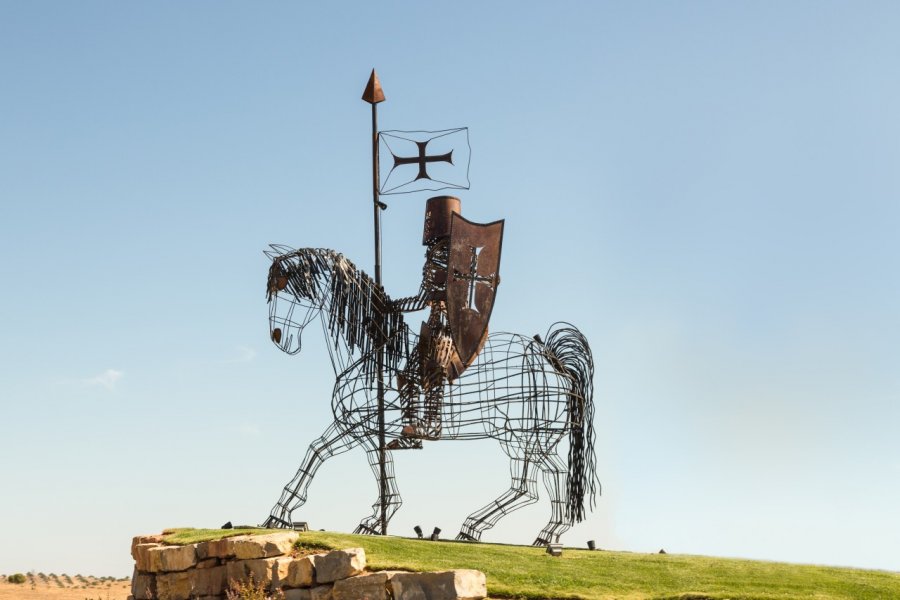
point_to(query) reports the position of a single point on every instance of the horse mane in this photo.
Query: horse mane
(359, 312)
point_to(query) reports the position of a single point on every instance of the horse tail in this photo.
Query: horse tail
(569, 353)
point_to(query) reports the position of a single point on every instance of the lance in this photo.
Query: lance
(373, 94)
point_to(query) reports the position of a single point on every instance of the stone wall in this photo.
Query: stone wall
(203, 571)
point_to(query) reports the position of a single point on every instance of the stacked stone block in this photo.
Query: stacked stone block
(203, 571)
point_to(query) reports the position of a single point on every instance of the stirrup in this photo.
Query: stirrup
(404, 443)
(420, 433)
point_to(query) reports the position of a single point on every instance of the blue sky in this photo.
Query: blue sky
(708, 190)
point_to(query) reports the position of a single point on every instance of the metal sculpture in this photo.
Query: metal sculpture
(526, 392)
(451, 381)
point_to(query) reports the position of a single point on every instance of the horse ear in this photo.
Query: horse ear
(277, 250)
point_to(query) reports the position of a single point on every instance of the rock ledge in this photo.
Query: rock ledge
(203, 571)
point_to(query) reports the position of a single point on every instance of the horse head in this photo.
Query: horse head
(356, 312)
(293, 295)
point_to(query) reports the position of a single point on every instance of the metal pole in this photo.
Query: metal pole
(373, 94)
(376, 202)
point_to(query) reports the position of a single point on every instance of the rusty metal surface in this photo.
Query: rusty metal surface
(473, 277)
(438, 212)
(373, 94)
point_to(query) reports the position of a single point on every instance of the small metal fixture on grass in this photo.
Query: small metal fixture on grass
(436, 534)
(592, 545)
(301, 526)
(418, 531)
(554, 549)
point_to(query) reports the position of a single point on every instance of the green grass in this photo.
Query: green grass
(525, 572)
(181, 536)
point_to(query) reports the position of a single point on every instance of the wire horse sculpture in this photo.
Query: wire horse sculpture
(526, 392)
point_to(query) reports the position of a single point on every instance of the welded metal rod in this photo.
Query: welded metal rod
(376, 206)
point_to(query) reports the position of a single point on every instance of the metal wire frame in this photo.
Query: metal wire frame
(455, 140)
(526, 392)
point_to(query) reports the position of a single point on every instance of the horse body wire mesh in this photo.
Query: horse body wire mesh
(526, 392)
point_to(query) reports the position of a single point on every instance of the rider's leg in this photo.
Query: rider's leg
(427, 426)
(431, 418)
(409, 384)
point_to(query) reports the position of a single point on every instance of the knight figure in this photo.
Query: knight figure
(459, 281)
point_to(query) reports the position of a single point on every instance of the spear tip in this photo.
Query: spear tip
(373, 93)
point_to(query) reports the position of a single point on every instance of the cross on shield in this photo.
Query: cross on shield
(473, 274)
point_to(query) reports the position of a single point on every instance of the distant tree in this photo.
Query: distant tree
(16, 578)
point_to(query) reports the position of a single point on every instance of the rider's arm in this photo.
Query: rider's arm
(411, 303)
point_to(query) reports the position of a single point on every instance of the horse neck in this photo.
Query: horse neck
(353, 309)
(347, 306)
(340, 353)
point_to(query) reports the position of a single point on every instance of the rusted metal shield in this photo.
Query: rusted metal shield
(473, 275)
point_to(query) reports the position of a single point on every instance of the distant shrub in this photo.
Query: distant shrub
(16, 578)
(250, 591)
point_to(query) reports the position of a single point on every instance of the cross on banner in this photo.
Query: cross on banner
(422, 160)
(473, 277)
(415, 161)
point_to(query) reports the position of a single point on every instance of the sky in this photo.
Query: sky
(708, 190)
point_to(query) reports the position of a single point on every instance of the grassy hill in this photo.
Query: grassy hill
(526, 572)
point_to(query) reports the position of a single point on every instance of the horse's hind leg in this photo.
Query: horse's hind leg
(372, 524)
(333, 441)
(554, 471)
(522, 492)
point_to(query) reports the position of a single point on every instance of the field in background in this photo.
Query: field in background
(51, 586)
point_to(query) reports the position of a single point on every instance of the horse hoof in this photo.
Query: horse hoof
(274, 522)
(363, 529)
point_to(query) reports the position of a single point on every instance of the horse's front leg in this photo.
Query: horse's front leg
(355, 406)
(372, 524)
(333, 441)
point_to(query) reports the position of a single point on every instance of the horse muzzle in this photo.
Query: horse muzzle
(287, 339)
